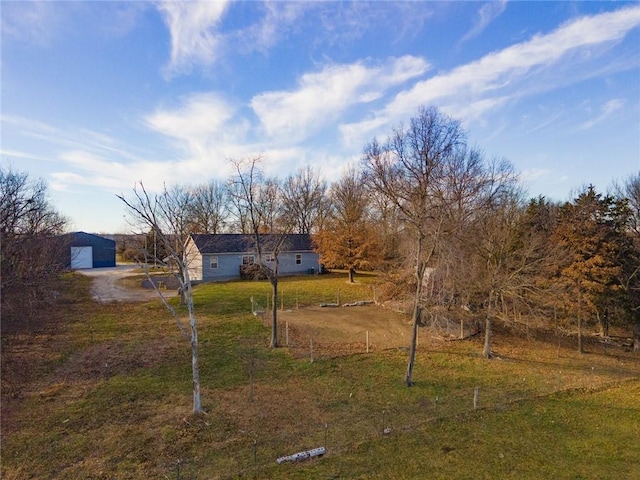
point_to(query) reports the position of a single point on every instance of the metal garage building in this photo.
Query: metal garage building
(91, 251)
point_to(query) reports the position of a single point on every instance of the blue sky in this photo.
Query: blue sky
(99, 95)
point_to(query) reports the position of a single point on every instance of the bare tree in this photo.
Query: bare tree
(303, 197)
(32, 248)
(631, 276)
(238, 210)
(630, 190)
(268, 205)
(258, 200)
(209, 209)
(503, 259)
(388, 228)
(408, 170)
(166, 216)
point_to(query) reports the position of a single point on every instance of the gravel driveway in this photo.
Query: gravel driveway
(107, 288)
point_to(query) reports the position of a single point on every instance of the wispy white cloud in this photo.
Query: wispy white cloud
(518, 70)
(606, 111)
(205, 127)
(33, 22)
(194, 39)
(322, 96)
(487, 14)
(199, 38)
(345, 22)
(78, 163)
(278, 19)
(534, 174)
(82, 158)
(43, 23)
(83, 168)
(548, 120)
(63, 139)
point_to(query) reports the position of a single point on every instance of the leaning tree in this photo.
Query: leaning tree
(166, 215)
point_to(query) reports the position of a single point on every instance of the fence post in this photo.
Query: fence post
(255, 454)
(384, 423)
(286, 332)
(367, 341)
(311, 348)
(475, 397)
(326, 427)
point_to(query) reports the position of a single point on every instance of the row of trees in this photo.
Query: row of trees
(30, 249)
(448, 229)
(248, 203)
(423, 201)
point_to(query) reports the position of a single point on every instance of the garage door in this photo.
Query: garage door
(81, 257)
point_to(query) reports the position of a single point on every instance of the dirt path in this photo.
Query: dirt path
(107, 285)
(353, 325)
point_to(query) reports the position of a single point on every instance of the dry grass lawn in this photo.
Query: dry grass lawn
(105, 392)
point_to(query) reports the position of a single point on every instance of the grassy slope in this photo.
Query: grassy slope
(109, 397)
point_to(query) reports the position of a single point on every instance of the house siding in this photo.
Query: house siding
(309, 260)
(229, 262)
(194, 261)
(228, 266)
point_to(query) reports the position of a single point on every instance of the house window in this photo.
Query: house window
(298, 258)
(247, 260)
(270, 258)
(213, 263)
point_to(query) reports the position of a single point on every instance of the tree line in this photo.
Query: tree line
(447, 228)
(31, 248)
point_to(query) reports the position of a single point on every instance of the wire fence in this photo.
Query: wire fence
(254, 454)
(250, 458)
(345, 427)
(292, 298)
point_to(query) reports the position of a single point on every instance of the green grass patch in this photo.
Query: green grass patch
(114, 400)
(226, 298)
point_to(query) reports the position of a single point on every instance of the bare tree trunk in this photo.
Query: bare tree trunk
(603, 322)
(352, 272)
(197, 406)
(486, 352)
(412, 349)
(636, 336)
(487, 329)
(163, 211)
(195, 368)
(580, 334)
(274, 310)
(416, 313)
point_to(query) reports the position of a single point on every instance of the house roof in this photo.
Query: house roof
(239, 243)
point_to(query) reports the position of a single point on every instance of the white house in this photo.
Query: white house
(222, 256)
